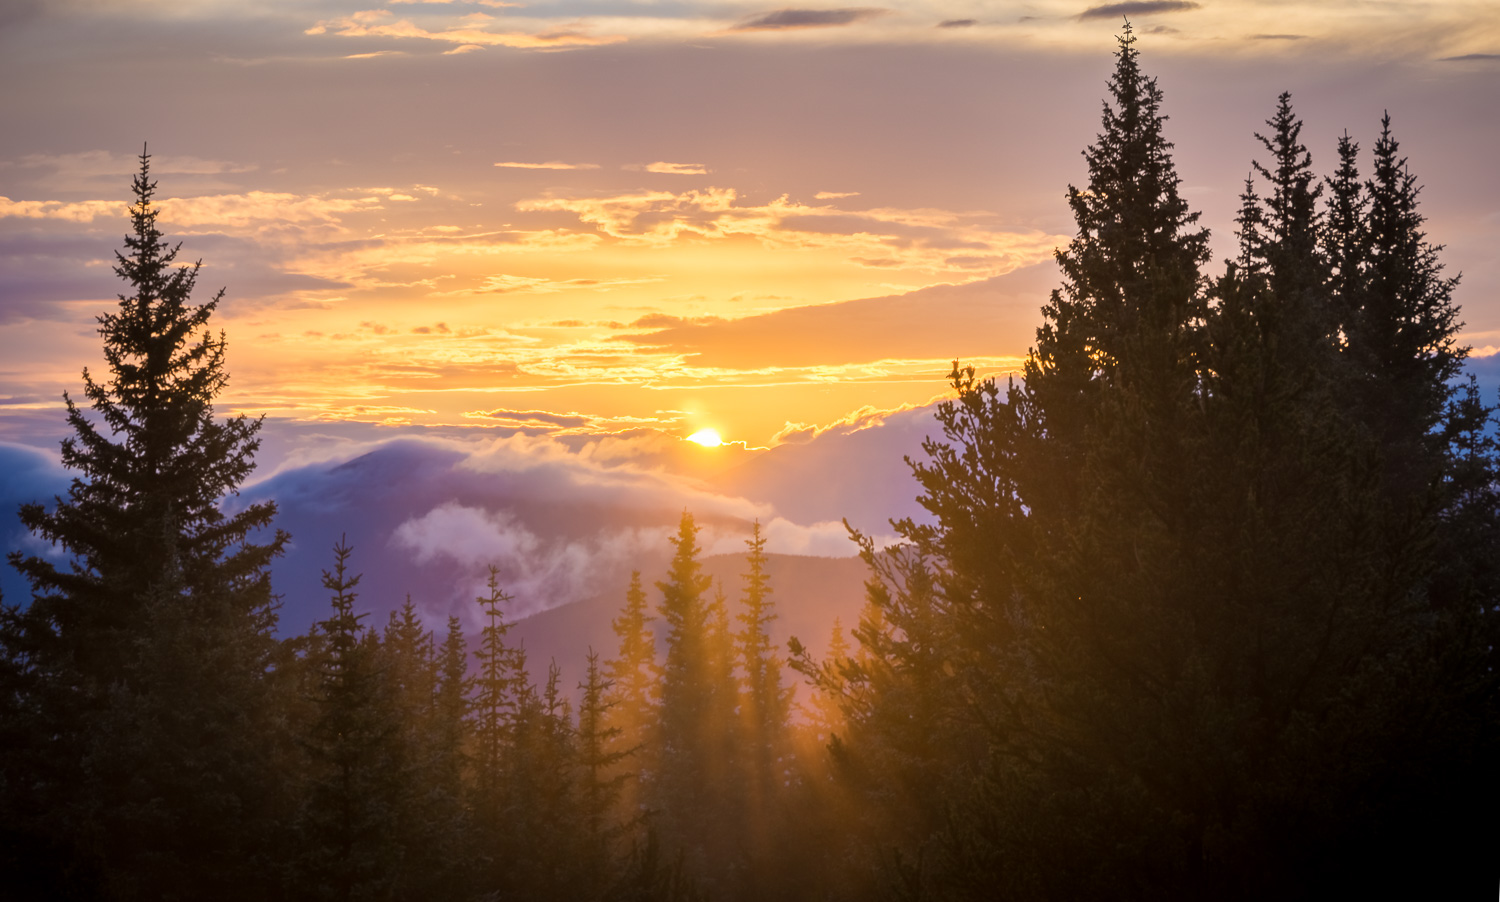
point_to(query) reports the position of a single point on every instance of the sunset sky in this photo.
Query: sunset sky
(597, 216)
(489, 263)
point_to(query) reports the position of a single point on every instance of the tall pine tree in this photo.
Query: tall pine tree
(145, 653)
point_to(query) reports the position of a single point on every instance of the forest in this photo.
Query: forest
(1205, 609)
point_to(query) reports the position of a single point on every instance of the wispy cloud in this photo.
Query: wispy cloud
(80, 211)
(472, 32)
(1138, 8)
(933, 324)
(677, 168)
(551, 164)
(493, 4)
(785, 19)
(532, 417)
(254, 208)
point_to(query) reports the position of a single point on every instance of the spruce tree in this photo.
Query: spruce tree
(146, 653)
(695, 789)
(1402, 328)
(601, 780)
(154, 466)
(767, 702)
(350, 823)
(687, 685)
(632, 677)
(496, 696)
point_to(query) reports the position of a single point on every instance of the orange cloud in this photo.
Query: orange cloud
(553, 164)
(926, 240)
(381, 23)
(938, 323)
(676, 168)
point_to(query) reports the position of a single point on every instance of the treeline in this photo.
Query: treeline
(1205, 609)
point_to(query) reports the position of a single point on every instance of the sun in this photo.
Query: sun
(708, 438)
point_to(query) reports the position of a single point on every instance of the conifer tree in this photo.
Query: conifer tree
(451, 710)
(632, 677)
(144, 512)
(351, 822)
(687, 672)
(1180, 571)
(496, 693)
(694, 785)
(1402, 333)
(766, 701)
(825, 717)
(601, 780)
(145, 655)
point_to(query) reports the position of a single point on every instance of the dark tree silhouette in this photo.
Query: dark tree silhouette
(1194, 560)
(141, 660)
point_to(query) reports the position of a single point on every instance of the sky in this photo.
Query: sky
(599, 226)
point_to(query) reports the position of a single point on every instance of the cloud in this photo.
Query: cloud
(834, 195)
(509, 284)
(677, 168)
(866, 417)
(1471, 57)
(27, 475)
(251, 208)
(1138, 8)
(430, 514)
(1278, 37)
(922, 239)
(494, 4)
(44, 268)
(938, 323)
(381, 23)
(785, 19)
(958, 23)
(553, 164)
(92, 169)
(870, 442)
(80, 211)
(532, 417)
(539, 574)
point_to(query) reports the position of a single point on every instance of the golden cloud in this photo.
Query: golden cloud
(382, 23)
(78, 211)
(552, 164)
(928, 240)
(677, 168)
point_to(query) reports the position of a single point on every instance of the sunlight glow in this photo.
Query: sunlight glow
(708, 438)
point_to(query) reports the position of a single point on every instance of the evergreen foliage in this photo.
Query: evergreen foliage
(1194, 560)
(767, 703)
(633, 691)
(136, 672)
(351, 821)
